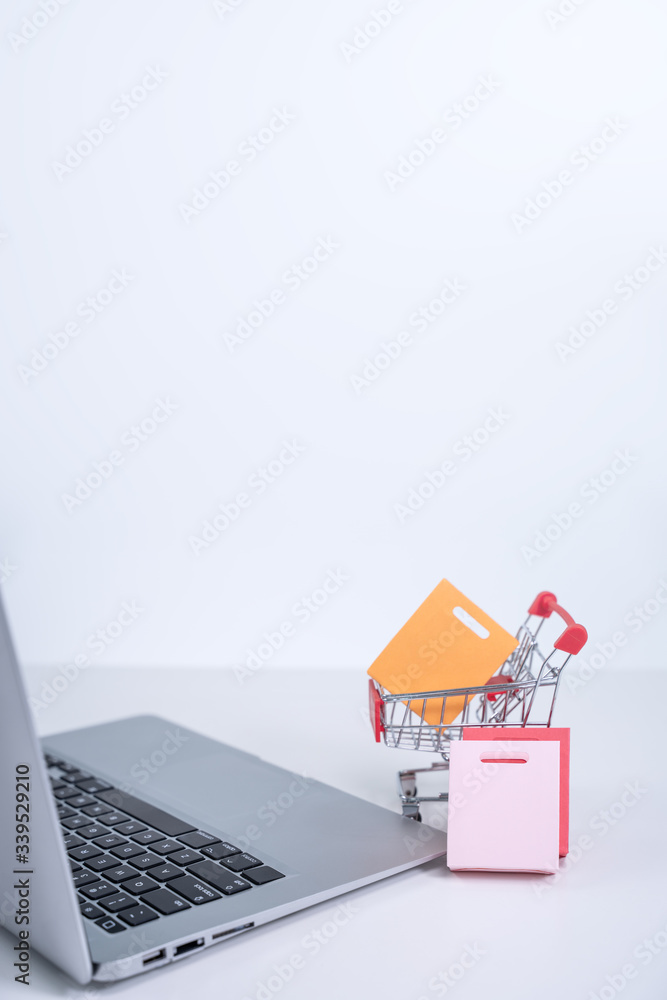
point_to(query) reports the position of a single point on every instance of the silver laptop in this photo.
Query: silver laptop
(130, 845)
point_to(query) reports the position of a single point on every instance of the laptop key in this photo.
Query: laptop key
(64, 812)
(120, 873)
(68, 768)
(76, 822)
(198, 838)
(100, 864)
(75, 775)
(193, 890)
(74, 866)
(71, 840)
(165, 902)
(79, 801)
(217, 876)
(147, 837)
(91, 911)
(165, 873)
(150, 815)
(166, 846)
(65, 792)
(94, 830)
(127, 850)
(144, 861)
(263, 874)
(84, 878)
(131, 827)
(99, 890)
(234, 884)
(115, 817)
(110, 840)
(240, 862)
(120, 902)
(84, 852)
(138, 915)
(110, 925)
(96, 809)
(186, 857)
(140, 885)
(220, 851)
(92, 785)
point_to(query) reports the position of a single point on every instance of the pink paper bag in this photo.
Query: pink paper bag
(536, 733)
(503, 810)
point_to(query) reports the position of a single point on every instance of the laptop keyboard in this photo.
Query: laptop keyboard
(132, 862)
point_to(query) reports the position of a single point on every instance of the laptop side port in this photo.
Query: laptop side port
(183, 949)
(157, 956)
(232, 930)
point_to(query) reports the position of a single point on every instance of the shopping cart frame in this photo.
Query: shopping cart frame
(522, 693)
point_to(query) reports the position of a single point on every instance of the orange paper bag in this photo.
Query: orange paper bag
(447, 643)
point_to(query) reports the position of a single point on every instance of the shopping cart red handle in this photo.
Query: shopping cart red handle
(575, 636)
(375, 710)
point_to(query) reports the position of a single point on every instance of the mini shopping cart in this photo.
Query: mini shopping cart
(521, 693)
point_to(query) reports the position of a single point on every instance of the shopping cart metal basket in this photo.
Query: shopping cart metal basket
(521, 693)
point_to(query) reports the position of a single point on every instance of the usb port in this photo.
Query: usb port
(232, 930)
(156, 956)
(182, 949)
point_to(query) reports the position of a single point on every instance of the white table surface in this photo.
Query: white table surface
(534, 937)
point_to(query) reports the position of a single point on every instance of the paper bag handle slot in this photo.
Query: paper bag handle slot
(470, 622)
(493, 758)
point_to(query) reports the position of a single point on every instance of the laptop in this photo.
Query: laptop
(134, 844)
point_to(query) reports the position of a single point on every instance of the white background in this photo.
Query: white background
(357, 110)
